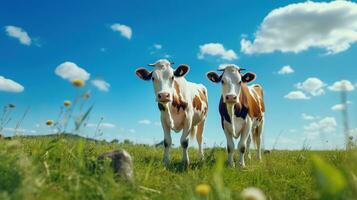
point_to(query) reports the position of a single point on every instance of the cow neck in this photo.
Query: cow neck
(250, 102)
(177, 100)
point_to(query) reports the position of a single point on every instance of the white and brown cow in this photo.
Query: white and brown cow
(183, 105)
(241, 108)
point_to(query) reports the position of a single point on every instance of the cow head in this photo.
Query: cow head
(162, 77)
(231, 80)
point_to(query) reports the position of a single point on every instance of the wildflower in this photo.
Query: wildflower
(11, 105)
(49, 122)
(67, 103)
(203, 189)
(86, 95)
(252, 193)
(78, 83)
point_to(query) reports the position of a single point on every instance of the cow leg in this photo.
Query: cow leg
(242, 145)
(185, 139)
(230, 147)
(258, 132)
(167, 141)
(199, 135)
(249, 140)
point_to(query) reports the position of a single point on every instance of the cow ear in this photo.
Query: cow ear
(214, 77)
(248, 77)
(143, 74)
(181, 70)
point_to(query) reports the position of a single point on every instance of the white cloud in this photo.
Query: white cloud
(313, 86)
(144, 121)
(102, 125)
(132, 131)
(124, 30)
(296, 95)
(287, 69)
(216, 49)
(157, 46)
(20, 130)
(325, 125)
(297, 27)
(18, 33)
(70, 71)
(338, 107)
(343, 85)
(9, 85)
(308, 117)
(341, 106)
(101, 85)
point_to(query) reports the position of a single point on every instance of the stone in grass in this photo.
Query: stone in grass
(121, 163)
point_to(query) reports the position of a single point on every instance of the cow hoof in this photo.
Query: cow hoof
(201, 157)
(185, 163)
(230, 163)
(241, 165)
(166, 162)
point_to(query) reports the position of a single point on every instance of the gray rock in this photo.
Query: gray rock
(121, 163)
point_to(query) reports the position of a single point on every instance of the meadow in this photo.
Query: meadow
(65, 167)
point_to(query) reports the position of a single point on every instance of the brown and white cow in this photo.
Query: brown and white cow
(241, 108)
(183, 105)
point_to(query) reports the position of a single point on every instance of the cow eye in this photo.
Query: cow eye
(172, 78)
(153, 79)
(223, 82)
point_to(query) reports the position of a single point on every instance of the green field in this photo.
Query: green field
(65, 167)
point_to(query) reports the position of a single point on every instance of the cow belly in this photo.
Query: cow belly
(238, 124)
(178, 119)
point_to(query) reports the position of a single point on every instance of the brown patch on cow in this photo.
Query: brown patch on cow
(259, 90)
(253, 101)
(203, 97)
(177, 102)
(196, 103)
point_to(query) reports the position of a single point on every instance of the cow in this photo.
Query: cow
(183, 105)
(241, 108)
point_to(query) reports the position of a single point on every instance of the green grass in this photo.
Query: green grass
(66, 168)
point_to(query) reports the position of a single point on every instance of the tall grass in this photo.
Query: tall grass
(66, 167)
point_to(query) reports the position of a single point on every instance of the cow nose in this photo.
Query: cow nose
(231, 98)
(163, 96)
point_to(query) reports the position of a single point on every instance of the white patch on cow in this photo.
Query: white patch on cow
(231, 79)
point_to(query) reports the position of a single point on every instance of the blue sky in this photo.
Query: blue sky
(110, 39)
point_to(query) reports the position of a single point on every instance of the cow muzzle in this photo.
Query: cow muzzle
(164, 97)
(231, 98)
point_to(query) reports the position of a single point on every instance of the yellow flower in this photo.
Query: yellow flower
(67, 103)
(49, 122)
(78, 83)
(203, 189)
